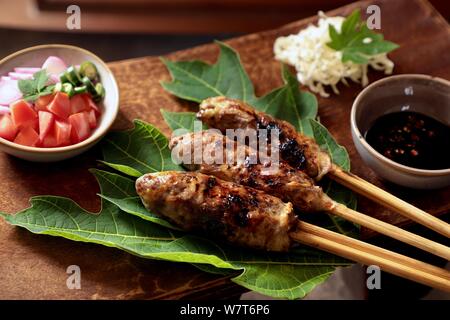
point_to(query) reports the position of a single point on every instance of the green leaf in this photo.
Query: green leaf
(196, 80)
(62, 217)
(181, 120)
(40, 78)
(356, 41)
(129, 171)
(327, 143)
(144, 149)
(33, 88)
(31, 98)
(47, 90)
(351, 23)
(306, 279)
(26, 87)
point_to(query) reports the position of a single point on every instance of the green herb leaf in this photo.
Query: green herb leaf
(40, 79)
(33, 88)
(27, 87)
(356, 41)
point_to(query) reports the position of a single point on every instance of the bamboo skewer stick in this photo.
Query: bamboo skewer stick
(367, 254)
(363, 246)
(392, 231)
(388, 200)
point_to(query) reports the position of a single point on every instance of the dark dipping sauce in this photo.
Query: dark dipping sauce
(412, 139)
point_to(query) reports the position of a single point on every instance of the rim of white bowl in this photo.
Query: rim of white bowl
(97, 133)
(369, 148)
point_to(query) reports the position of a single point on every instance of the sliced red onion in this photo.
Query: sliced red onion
(9, 92)
(27, 70)
(4, 110)
(20, 76)
(5, 78)
(54, 65)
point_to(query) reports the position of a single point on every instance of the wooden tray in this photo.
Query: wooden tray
(34, 267)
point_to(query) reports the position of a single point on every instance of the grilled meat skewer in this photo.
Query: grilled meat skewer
(198, 202)
(298, 150)
(303, 153)
(286, 183)
(195, 201)
(307, 196)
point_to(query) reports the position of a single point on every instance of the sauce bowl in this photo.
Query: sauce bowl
(408, 92)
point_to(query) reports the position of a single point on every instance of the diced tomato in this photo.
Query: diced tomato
(78, 103)
(34, 124)
(49, 141)
(43, 101)
(8, 130)
(62, 133)
(60, 105)
(92, 118)
(23, 114)
(92, 104)
(46, 120)
(27, 136)
(80, 127)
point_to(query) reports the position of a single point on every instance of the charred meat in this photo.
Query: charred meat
(286, 182)
(198, 202)
(298, 150)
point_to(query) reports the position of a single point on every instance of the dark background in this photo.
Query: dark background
(116, 29)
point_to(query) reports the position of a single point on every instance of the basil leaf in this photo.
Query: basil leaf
(33, 88)
(40, 78)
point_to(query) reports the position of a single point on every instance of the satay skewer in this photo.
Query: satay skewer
(380, 196)
(392, 231)
(247, 217)
(367, 254)
(286, 183)
(303, 153)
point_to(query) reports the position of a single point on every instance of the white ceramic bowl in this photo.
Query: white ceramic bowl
(413, 92)
(35, 57)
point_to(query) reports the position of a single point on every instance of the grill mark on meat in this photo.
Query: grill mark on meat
(293, 154)
(290, 150)
(211, 182)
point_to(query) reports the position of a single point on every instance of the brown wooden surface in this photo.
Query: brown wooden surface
(33, 267)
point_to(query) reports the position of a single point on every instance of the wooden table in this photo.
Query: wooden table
(34, 267)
